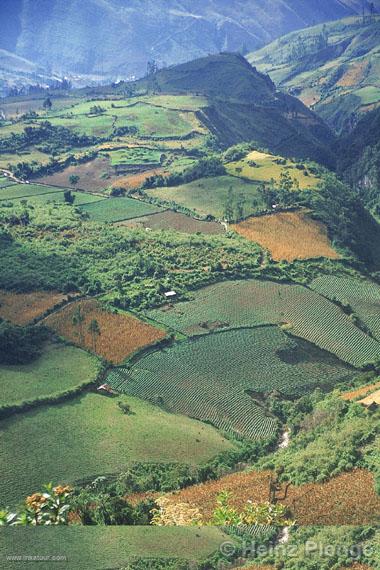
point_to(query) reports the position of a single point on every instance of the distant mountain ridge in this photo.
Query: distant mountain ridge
(334, 68)
(118, 37)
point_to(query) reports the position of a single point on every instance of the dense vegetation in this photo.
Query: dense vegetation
(20, 345)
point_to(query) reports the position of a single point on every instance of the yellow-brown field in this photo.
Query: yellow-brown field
(22, 308)
(120, 334)
(363, 391)
(288, 236)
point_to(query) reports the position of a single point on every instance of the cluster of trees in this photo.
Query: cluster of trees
(20, 345)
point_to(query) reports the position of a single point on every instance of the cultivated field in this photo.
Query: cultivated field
(22, 308)
(25, 191)
(251, 302)
(95, 175)
(80, 198)
(263, 167)
(90, 436)
(170, 220)
(119, 334)
(137, 180)
(222, 377)
(362, 296)
(288, 236)
(362, 391)
(118, 209)
(348, 499)
(99, 547)
(58, 369)
(209, 196)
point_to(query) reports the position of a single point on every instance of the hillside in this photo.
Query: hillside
(334, 68)
(114, 37)
(244, 105)
(16, 71)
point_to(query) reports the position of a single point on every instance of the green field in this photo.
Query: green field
(209, 195)
(362, 296)
(81, 198)
(90, 436)
(262, 167)
(134, 156)
(4, 181)
(25, 190)
(245, 303)
(58, 369)
(118, 209)
(208, 377)
(105, 547)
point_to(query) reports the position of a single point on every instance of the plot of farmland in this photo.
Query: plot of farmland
(135, 156)
(348, 499)
(262, 167)
(288, 236)
(22, 308)
(25, 191)
(251, 302)
(118, 209)
(362, 296)
(169, 220)
(119, 334)
(95, 175)
(90, 436)
(208, 378)
(4, 181)
(209, 196)
(80, 198)
(58, 369)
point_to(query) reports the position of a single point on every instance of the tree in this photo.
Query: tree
(94, 329)
(47, 104)
(77, 321)
(228, 209)
(240, 203)
(74, 179)
(68, 197)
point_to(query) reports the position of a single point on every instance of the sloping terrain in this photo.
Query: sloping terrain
(334, 68)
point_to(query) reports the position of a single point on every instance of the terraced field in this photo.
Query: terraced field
(209, 377)
(251, 302)
(118, 209)
(361, 295)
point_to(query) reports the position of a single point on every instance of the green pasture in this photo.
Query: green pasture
(134, 156)
(25, 191)
(251, 302)
(90, 436)
(58, 369)
(222, 377)
(209, 196)
(105, 547)
(118, 209)
(80, 198)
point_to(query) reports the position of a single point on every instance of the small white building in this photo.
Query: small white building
(170, 294)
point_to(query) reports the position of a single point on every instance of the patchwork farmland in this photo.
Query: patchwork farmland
(23, 308)
(211, 377)
(303, 312)
(117, 335)
(288, 236)
(170, 220)
(118, 209)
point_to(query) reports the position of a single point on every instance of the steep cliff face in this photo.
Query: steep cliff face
(118, 37)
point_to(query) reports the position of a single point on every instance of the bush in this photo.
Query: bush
(20, 345)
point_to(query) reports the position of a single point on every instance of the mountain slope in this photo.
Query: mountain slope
(335, 68)
(118, 37)
(244, 105)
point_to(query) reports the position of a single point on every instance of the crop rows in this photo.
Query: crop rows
(208, 377)
(362, 296)
(251, 302)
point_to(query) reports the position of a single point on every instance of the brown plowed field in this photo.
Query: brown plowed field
(120, 334)
(22, 308)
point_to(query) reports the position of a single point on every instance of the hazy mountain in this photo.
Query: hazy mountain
(118, 37)
(333, 68)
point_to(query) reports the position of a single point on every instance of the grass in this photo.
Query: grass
(4, 181)
(22, 308)
(288, 236)
(102, 547)
(135, 156)
(80, 198)
(25, 191)
(118, 209)
(211, 377)
(120, 334)
(267, 167)
(251, 302)
(209, 196)
(58, 369)
(90, 436)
